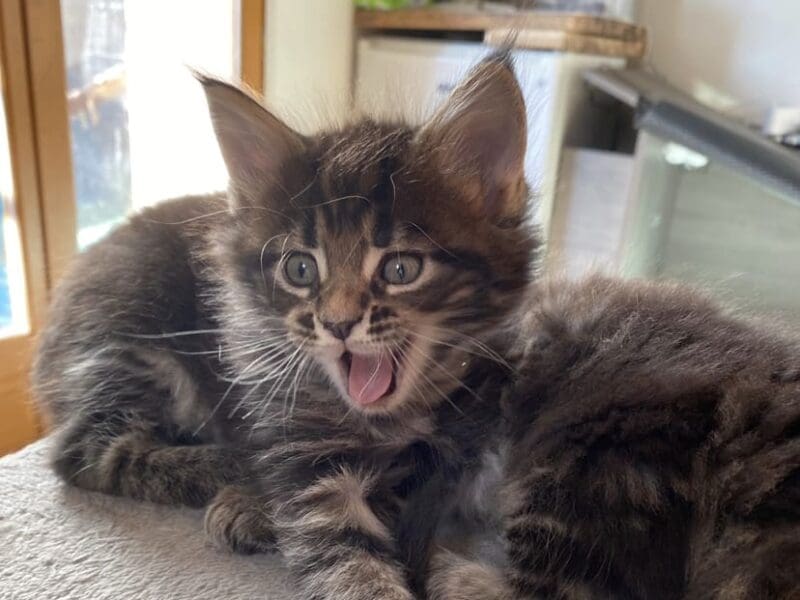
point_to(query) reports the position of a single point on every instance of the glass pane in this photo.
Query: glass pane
(13, 303)
(139, 123)
(702, 222)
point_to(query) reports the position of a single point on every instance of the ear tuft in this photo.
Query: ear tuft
(478, 139)
(255, 144)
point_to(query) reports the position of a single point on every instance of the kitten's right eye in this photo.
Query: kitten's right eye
(301, 269)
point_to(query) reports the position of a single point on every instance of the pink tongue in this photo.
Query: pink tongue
(370, 377)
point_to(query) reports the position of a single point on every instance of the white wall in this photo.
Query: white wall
(737, 55)
(309, 60)
(173, 150)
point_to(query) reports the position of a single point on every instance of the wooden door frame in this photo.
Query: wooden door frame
(45, 51)
(252, 23)
(35, 98)
(20, 423)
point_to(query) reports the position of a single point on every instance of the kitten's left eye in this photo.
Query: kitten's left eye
(301, 269)
(401, 269)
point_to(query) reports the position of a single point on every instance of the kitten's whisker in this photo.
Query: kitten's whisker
(490, 353)
(494, 357)
(261, 255)
(268, 344)
(353, 249)
(273, 370)
(225, 396)
(189, 220)
(280, 263)
(455, 379)
(161, 336)
(394, 189)
(212, 214)
(460, 333)
(398, 355)
(303, 190)
(339, 199)
(415, 378)
(286, 368)
(260, 362)
(293, 387)
(372, 377)
(346, 414)
(433, 241)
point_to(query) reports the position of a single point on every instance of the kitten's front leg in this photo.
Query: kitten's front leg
(453, 577)
(335, 543)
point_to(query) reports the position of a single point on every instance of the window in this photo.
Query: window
(99, 116)
(138, 120)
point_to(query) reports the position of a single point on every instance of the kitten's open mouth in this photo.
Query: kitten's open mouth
(369, 377)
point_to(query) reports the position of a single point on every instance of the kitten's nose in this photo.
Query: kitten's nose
(340, 329)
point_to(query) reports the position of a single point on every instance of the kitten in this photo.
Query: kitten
(332, 352)
(313, 349)
(653, 452)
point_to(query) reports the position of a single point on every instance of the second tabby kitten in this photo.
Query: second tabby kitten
(652, 451)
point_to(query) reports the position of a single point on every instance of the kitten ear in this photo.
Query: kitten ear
(478, 139)
(255, 144)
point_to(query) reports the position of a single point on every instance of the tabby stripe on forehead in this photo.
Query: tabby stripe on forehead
(463, 259)
(383, 200)
(309, 213)
(310, 228)
(343, 208)
(343, 213)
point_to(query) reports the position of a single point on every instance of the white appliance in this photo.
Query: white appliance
(409, 77)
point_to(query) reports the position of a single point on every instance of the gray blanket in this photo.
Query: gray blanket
(60, 542)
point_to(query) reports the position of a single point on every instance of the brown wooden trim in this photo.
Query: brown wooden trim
(439, 19)
(49, 101)
(27, 200)
(537, 39)
(252, 43)
(19, 422)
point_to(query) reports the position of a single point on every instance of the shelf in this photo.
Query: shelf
(581, 34)
(449, 19)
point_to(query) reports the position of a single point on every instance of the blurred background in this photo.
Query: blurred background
(663, 135)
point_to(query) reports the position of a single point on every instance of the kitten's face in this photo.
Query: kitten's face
(367, 255)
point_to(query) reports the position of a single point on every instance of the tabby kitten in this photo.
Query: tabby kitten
(653, 451)
(315, 348)
(332, 352)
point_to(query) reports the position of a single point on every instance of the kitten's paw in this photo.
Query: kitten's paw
(453, 577)
(239, 522)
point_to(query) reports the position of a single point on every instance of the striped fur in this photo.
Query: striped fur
(644, 444)
(183, 364)
(654, 452)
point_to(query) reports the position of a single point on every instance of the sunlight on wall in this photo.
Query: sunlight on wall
(172, 146)
(309, 61)
(735, 56)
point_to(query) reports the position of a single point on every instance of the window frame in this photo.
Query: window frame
(34, 92)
